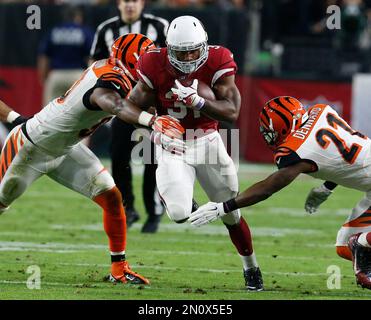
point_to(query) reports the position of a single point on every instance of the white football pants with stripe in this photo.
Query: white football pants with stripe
(205, 159)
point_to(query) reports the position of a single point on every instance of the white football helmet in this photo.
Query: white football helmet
(187, 33)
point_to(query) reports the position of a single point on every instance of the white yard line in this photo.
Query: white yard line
(191, 269)
(55, 247)
(216, 229)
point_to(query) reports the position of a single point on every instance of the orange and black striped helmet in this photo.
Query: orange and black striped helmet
(128, 48)
(280, 117)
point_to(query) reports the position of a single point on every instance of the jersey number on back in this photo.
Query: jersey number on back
(349, 153)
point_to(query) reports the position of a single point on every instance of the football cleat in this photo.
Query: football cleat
(131, 216)
(121, 273)
(361, 257)
(151, 225)
(253, 279)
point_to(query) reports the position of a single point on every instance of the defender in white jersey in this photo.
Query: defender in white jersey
(49, 143)
(319, 143)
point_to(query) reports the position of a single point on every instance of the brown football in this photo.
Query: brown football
(205, 91)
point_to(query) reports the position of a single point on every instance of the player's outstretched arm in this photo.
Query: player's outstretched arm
(125, 109)
(275, 182)
(318, 195)
(254, 194)
(110, 101)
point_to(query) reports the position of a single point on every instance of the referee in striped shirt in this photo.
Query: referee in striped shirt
(131, 20)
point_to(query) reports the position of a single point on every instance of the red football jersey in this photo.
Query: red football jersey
(155, 70)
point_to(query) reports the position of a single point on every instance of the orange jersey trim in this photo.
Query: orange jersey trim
(364, 220)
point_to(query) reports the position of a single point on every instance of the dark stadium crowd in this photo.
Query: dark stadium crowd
(169, 3)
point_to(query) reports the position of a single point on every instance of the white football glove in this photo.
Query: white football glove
(172, 145)
(315, 198)
(207, 213)
(188, 95)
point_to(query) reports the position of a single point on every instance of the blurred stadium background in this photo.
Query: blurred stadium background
(281, 47)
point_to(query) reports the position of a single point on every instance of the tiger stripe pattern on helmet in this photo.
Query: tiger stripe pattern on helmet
(280, 116)
(128, 48)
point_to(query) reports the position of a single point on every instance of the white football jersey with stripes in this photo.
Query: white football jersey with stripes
(338, 153)
(70, 118)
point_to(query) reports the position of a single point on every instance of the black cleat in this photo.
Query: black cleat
(131, 216)
(253, 279)
(151, 225)
(361, 257)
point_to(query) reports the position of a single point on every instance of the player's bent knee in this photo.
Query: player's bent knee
(11, 189)
(110, 200)
(102, 182)
(344, 252)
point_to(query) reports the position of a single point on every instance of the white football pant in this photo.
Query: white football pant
(358, 221)
(22, 163)
(205, 159)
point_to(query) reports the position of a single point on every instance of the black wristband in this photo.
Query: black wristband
(330, 185)
(19, 120)
(230, 205)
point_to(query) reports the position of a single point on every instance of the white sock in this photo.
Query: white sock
(363, 241)
(117, 253)
(249, 261)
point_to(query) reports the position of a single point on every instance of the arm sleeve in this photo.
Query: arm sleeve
(114, 82)
(285, 157)
(225, 64)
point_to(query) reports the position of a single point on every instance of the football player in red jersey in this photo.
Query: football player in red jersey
(170, 76)
(323, 145)
(50, 143)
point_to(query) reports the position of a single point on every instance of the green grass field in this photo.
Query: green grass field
(61, 232)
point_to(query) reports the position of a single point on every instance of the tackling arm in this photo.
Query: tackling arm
(129, 111)
(275, 182)
(256, 193)
(110, 101)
